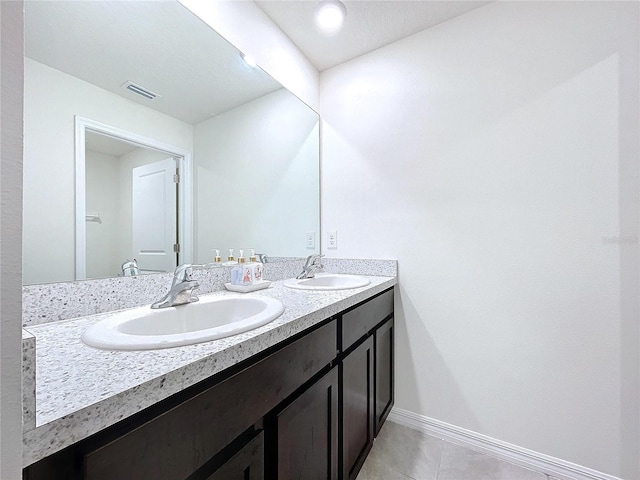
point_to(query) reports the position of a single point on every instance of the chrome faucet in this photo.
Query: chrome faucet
(182, 288)
(311, 266)
(130, 268)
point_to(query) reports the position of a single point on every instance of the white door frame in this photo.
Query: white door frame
(185, 187)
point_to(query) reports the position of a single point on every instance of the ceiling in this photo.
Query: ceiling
(107, 43)
(159, 45)
(370, 24)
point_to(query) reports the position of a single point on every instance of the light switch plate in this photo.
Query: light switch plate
(332, 239)
(311, 240)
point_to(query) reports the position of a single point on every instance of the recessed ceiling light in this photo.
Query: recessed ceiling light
(330, 15)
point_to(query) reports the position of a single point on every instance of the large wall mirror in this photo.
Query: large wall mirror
(252, 146)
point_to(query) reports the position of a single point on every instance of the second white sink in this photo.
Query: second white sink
(210, 318)
(328, 281)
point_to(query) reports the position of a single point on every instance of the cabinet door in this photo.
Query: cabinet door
(247, 464)
(384, 372)
(307, 433)
(357, 407)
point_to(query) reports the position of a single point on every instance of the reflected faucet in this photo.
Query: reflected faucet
(182, 287)
(311, 266)
(130, 268)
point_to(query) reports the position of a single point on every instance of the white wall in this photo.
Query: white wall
(496, 156)
(52, 98)
(11, 91)
(251, 31)
(270, 146)
(103, 191)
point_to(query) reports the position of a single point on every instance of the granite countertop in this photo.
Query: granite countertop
(81, 390)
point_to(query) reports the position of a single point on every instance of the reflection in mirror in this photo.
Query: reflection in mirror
(254, 145)
(272, 198)
(134, 206)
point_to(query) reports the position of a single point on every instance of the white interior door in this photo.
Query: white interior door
(154, 216)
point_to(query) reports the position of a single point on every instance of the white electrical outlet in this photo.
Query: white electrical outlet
(332, 239)
(311, 240)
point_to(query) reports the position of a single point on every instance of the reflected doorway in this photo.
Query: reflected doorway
(133, 201)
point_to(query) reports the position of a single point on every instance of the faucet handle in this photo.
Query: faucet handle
(183, 273)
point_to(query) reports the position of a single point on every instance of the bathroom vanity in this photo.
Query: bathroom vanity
(306, 406)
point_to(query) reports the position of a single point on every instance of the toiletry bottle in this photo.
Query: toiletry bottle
(231, 260)
(246, 277)
(236, 272)
(256, 267)
(216, 259)
(236, 275)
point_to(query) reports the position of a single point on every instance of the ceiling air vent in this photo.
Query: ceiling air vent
(135, 88)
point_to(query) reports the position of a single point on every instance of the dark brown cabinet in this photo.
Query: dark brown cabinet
(307, 433)
(384, 372)
(367, 378)
(247, 464)
(357, 407)
(360, 321)
(178, 442)
(308, 408)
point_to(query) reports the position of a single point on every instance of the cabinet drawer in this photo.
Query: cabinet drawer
(361, 320)
(247, 464)
(176, 443)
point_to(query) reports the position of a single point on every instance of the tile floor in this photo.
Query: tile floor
(400, 453)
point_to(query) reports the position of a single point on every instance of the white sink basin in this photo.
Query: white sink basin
(210, 318)
(328, 281)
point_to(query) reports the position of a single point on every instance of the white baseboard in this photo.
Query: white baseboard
(539, 462)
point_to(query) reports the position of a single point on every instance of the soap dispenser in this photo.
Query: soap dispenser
(236, 272)
(256, 267)
(231, 260)
(246, 274)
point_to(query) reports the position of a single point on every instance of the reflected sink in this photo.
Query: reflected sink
(328, 281)
(210, 318)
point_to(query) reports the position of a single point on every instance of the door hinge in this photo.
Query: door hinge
(176, 178)
(176, 247)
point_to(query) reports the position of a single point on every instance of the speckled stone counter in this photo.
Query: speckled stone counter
(52, 302)
(28, 381)
(82, 390)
